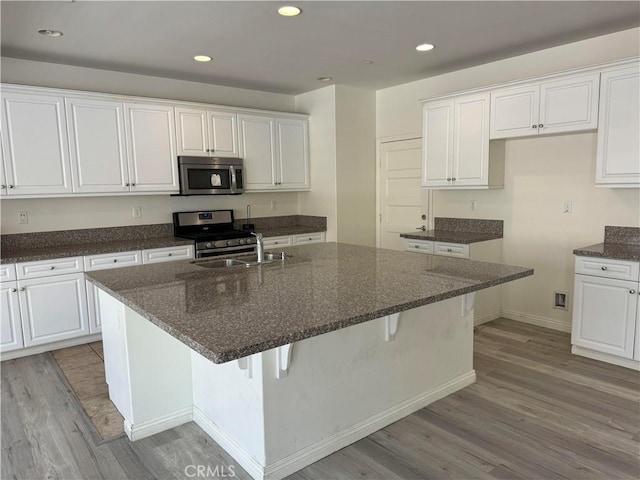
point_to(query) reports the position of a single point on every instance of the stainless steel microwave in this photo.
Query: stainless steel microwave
(210, 176)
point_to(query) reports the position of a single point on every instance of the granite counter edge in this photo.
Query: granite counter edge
(452, 237)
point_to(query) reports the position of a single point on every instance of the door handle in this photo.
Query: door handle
(423, 228)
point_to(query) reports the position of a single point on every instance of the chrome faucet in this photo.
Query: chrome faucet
(259, 246)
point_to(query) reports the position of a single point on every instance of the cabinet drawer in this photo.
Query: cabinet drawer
(308, 238)
(278, 242)
(47, 268)
(8, 272)
(167, 254)
(604, 267)
(451, 249)
(420, 246)
(112, 260)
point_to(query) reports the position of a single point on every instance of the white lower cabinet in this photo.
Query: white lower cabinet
(169, 254)
(284, 241)
(53, 308)
(309, 238)
(605, 310)
(10, 323)
(291, 240)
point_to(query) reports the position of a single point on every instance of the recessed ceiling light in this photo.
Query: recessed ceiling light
(425, 47)
(50, 33)
(202, 58)
(367, 62)
(325, 79)
(289, 11)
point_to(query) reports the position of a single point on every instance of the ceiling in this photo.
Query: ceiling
(253, 47)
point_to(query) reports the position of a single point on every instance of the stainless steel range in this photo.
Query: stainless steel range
(213, 233)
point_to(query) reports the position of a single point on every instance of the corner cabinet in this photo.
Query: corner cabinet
(206, 133)
(618, 150)
(456, 147)
(568, 104)
(34, 142)
(606, 317)
(275, 152)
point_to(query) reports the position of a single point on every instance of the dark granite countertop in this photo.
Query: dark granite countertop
(620, 243)
(460, 230)
(321, 288)
(452, 236)
(17, 254)
(616, 251)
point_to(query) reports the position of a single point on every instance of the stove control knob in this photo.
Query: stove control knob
(229, 243)
(208, 245)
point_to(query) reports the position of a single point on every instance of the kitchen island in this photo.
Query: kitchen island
(287, 362)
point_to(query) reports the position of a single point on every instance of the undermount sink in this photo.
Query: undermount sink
(224, 263)
(248, 261)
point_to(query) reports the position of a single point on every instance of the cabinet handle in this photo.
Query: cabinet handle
(604, 268)
(449, 250)
(133, 184)
(449, 179)
(14, 289)
(170, 254)
(52, 268)
(2, 187)
(115, 260)
(22, 289)
(10, 186)
(540, 125)
(632, 292)
(534, 126)
(453, 179)
(416, 246)
(127, 184)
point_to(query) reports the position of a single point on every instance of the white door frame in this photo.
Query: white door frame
(379, 142)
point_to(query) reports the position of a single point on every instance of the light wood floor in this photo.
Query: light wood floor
(536, 412)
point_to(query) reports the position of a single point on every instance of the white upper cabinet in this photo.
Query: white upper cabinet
(275, 152)
(34, 136)
(568, 104)
(618, 150)
(456, 144)
(97, 141)
(151, 147)
(206, 133)
(293, 153)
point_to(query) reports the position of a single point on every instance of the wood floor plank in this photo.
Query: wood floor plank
(536, 412)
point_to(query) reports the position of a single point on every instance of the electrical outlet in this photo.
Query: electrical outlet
(474, 205)
(137, 211)
(23, 217)
(274, 205)
(560, 300)
(567, 206)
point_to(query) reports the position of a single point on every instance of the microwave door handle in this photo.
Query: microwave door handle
(233, 185)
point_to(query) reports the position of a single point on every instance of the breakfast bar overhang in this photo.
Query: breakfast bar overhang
(287, 362)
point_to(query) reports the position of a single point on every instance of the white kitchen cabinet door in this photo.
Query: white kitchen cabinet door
(604, 315)
(223, 134)
(3, 177)
(153, 166)
(53, 308)
(437, 143)
(470, 165)
(97, 145)
(514, 111)
(167, 254)
(293, 154)
(10, 323)
(192, 131)
(36, 154)
(569, 105)
(256, 135)
(618, 145)
(636, 335)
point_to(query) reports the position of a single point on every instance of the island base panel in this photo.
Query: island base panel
(339, 388)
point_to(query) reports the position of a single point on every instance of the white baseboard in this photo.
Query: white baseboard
(487, 318)
(551, 323)
(605, 357)
(142, 430)
(48, 347)
(288, 465)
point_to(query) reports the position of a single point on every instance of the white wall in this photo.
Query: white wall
(540, 174)
(72, 213)
(356, 165)
(321, 200)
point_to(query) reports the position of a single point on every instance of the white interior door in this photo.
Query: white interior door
(402, 201)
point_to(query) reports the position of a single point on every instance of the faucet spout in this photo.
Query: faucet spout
(259, 246)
